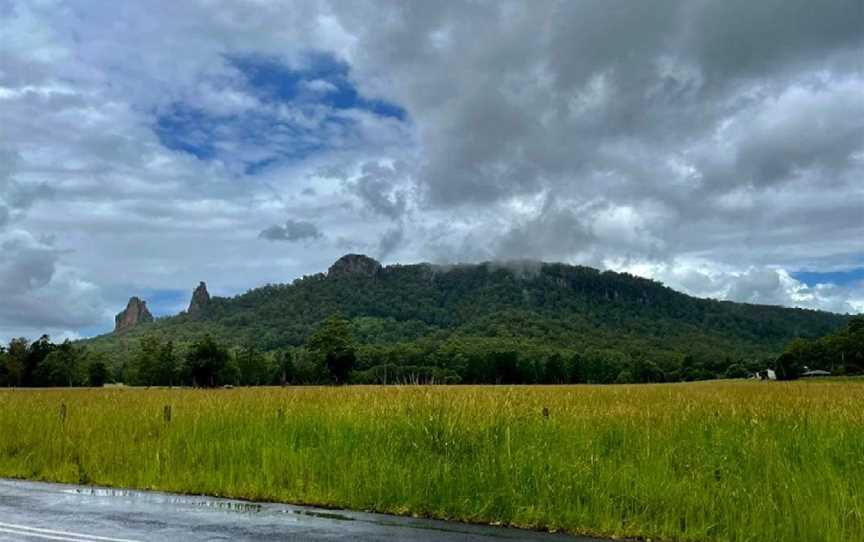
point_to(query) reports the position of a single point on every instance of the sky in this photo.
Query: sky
(716, 146)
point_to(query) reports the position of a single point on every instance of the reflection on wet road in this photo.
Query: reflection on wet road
(40, 511)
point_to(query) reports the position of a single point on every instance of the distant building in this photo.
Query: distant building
(767, 374)
(815, 372)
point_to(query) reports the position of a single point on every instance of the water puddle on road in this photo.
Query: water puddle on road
(99, 492)
(212, 504)
(324, 515)
(243, 507)
(230, 506)
(291, 513)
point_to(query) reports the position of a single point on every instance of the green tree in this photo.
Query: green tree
(144, 370)
(309, 367)
(693, 369)
(334, 343)
(205, 360)
(505, 364)
(737, 370)
(853, 348)
(97, 372)
(16, 356)
(790, 364)
(856, 326)
(604, 366)
(576, 369)
(229, 374)
(285, 363)
(37, 351)
(4, 368)
(625, 377)
(645, 370)
(155, 363)
(554, 370)
(252, 366)
(167, 367)
(60, 365)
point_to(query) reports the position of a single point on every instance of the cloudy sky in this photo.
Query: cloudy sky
(717, 146)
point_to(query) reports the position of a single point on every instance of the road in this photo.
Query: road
(33, 511)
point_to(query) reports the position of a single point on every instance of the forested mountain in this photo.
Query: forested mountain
(464, 318)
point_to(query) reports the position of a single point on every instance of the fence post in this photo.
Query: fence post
(166, 413)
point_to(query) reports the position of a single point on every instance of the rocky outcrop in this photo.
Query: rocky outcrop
(135, 313)
(200, 300)
(354, 265)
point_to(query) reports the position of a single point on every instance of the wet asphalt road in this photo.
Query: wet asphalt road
(33, 511)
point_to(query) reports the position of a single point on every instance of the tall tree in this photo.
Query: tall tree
(286, 368)
(205, 360)
(16, 357)
(36, 354)
(60, 366)
(252, 365)
(4, 368)
(167, 368)
(332, 340)
(555, 371)
(144, 369)
(97, 371)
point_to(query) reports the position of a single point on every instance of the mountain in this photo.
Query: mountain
(421, 314)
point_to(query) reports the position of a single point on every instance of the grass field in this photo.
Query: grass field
(725, 461)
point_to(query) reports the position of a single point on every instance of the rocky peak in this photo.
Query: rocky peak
(200, 299)
(354, 265)
(135, 313)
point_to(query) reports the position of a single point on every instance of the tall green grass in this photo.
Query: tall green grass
(724, 461)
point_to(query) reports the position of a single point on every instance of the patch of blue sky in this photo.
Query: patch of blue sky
(271, 79)
(164, 302)
(189, 130)
(840, 278)
(320, 89)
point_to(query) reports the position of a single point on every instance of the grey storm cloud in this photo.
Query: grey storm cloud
(26, 267)
(718, 146)
(375, 187)
(721, 115)
(14, 195)
(390, 241)
(554, 233)
(36, 292)
(568, 89)
(293, 230)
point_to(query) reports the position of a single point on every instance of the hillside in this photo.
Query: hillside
(416, 314)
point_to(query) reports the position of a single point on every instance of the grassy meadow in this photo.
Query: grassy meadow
(712, 461)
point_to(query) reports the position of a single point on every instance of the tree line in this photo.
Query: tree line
(840, 353)
(42, 363)
(332, 355)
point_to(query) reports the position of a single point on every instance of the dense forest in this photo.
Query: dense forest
(840, 353)
(525, 322)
